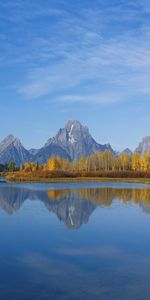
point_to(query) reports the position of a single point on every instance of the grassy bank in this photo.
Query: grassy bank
(62, 176)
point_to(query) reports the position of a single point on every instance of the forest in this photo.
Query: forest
(97, 161)
(98, 164)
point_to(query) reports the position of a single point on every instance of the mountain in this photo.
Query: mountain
(33, 151)
(71, 142)
(127, 150)
(44, 153)
(12, 149)
(76, 141)
(144, 145)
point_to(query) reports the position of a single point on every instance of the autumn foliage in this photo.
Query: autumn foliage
(98, 164)
(101, 161)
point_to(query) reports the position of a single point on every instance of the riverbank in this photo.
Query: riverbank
(57, 176)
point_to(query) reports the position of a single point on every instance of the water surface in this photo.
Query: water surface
(69, 241)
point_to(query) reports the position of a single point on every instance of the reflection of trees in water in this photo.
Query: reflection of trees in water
(106, 196)
(57, 194)
(73, 206)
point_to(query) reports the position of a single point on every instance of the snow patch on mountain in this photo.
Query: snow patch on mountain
(71, 137)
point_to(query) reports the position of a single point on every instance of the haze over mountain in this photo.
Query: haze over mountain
(71, 142)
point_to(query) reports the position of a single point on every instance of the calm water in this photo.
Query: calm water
(75, 241)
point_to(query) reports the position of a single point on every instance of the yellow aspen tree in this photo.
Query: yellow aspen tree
(53, 164)
(135, 162)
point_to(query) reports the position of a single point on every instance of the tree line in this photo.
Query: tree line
(98, 161)
(11, 167)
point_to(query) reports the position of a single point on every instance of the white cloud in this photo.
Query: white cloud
(113, 66)
(104, 98)
(94, 52)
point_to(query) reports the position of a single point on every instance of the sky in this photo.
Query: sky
(75, 60)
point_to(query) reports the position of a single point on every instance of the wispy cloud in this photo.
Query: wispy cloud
(115, 67)
(104, 98)
(99, 55)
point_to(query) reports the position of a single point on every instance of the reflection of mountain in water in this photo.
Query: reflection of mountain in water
(66, 204)
(73, 207)
(12, 198)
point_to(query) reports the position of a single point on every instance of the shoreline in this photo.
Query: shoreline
(76, 179)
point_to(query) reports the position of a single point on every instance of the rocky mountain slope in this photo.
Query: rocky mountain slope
(144, 145)
(76, 141)
(12, 149)
(71, 142)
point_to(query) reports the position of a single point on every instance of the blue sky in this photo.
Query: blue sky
(67, 59)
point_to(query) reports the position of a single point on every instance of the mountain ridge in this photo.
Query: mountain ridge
(76, 140)
(70, 142)
(144, 145)
(12, 149)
